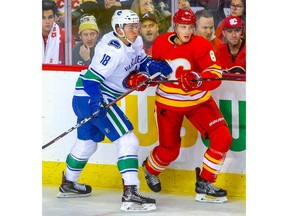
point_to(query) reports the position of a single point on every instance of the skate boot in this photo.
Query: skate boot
(72, 189)
(133, 201)
(207, 192)
(152, 180)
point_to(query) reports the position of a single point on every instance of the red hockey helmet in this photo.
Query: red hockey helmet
(184, 16)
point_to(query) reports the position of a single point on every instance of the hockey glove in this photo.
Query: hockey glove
(158, 66)
(135, 79)
(189, 81)
(97, 110)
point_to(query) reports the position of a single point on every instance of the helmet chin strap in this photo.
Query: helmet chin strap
(179, 38)
(174, 27)
(123, 36)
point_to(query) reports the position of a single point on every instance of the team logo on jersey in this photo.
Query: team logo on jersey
(115, 44)
(107, 130)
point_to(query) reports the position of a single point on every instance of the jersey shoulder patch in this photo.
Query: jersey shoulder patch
(114, 43)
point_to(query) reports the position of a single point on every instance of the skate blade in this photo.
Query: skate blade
(210, 199)
(71, 195)
(135, 207)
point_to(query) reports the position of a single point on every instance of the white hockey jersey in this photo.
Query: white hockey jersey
(112, 62)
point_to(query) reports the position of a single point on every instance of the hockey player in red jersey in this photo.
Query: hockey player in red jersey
(191, 58)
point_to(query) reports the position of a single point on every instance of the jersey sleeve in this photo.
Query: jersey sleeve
(209, 64)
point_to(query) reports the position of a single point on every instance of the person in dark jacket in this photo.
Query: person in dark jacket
(89, 32)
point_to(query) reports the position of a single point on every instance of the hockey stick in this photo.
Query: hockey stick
(108, 105)
(201, 79)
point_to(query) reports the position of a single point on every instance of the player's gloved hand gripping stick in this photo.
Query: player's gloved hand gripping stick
(145, 82)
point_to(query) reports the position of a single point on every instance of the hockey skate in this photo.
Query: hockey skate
(70, 189)
(152, 181)
(207, 192)
(134, 202)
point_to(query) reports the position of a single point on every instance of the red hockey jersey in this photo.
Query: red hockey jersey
(197, 55)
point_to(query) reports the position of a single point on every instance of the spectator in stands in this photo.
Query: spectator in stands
(78, 9)
(205, 27)
(87, 7)
(60, 6)
(237, 8)
(125, 4)
(232, 55)
(166, 4)
(162, 4)
(182, 4)
(163, 7)
(90, 7)
(83, 51)
(149, 31)
(107, 9)
(53, 36)
(141, 7)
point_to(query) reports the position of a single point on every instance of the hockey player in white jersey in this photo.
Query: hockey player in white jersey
(113, 71)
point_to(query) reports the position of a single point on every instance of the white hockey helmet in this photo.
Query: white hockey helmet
(122, 17)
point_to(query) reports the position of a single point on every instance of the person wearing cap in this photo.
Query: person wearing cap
(83, 51)
(237, 8)
(149, 31)
(232, 54)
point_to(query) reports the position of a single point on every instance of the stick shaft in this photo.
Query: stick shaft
(202, 79)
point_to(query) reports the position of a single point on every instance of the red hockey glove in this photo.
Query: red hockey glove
(135, 79)
(188, 81)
